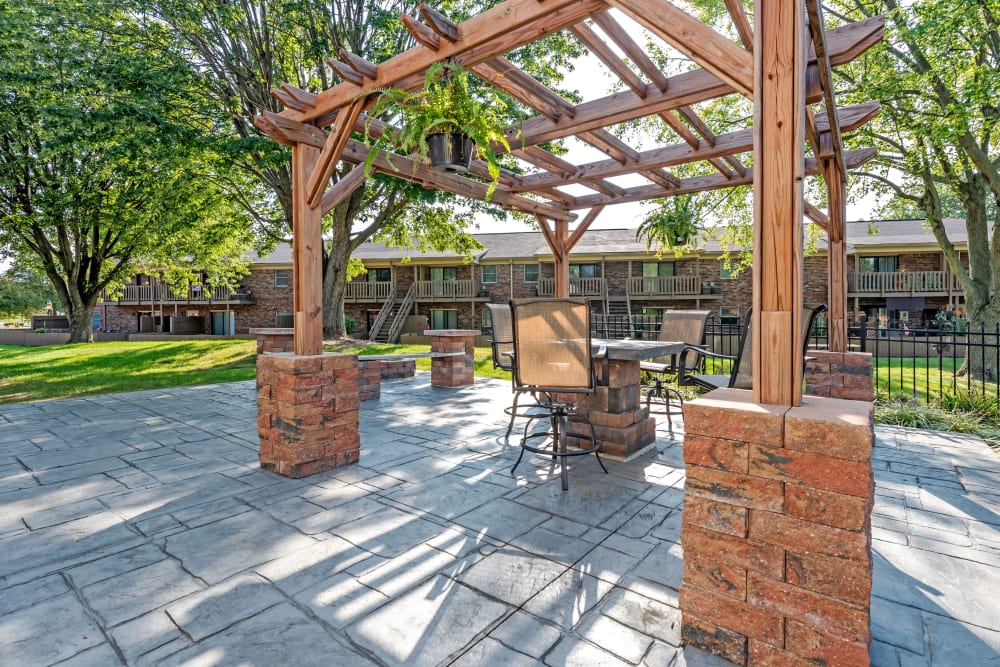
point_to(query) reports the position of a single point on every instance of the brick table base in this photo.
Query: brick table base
(623, 426)
(307, 412)
(777, 530)
(455, 371)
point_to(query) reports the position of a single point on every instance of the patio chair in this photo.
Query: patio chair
(687, 326)
(503, 351)
(741, 374)
(554, 360)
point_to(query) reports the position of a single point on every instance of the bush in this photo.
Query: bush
(40, 330)
(350, 325)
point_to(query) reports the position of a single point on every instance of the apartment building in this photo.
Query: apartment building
(896, 275)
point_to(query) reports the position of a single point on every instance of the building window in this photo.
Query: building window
(282, 277)
(379, 275)
(657, 269)
(283, 319)
(444, 319)
(489, 273)
(881, 264)
(443, 273)
(531, 273)
(728, 271)
(583, 270)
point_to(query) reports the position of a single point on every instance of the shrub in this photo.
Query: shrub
(350, 325)
(40, 330)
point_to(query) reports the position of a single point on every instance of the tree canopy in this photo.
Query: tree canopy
(103, 154)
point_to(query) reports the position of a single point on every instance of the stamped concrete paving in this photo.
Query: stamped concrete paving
(137, 529)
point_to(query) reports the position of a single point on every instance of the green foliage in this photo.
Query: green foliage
(447, 103)
(350, 325)
(39, 330)
(24, 292)
(910, 413)
(104, 158)
(672, 225)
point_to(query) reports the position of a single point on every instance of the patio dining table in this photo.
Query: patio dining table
(624, 427)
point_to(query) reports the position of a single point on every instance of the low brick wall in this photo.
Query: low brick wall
(456, 371)
(840, 375)
(777, 530)
(369, 380)
(307, 412)
(397, 369)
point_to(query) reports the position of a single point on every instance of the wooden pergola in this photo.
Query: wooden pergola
(783, 61)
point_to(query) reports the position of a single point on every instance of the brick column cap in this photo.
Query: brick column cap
(453, 332)
(265, 331)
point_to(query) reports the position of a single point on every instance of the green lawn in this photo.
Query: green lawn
(62, 371)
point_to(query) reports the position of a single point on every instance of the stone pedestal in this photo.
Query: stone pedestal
(777, 530)
(453, 371)
(623, 426)
(307, 412)
(840, 375)
(272, 341)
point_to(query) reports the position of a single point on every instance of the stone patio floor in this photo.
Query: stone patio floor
(138, 529)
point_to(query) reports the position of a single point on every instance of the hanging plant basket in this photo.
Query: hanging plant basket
(450, 152)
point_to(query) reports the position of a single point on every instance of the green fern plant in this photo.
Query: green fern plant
(445, 104)
(672, 224)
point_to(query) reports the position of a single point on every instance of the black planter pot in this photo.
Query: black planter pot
(450, 152)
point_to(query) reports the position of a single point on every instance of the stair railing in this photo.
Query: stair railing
(405, 306)
(383, 314)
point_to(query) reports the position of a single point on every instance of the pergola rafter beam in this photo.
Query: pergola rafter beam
(727, 61)
(589, 38)
(741, 22)
(636, 53)
(815, 15)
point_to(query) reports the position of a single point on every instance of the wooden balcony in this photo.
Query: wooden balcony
(445, 290)
(160, 293)
(664, 286)
(577, 287)
(902, 283)
(362, 290)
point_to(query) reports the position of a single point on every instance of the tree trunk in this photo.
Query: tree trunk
(81, 323)
(335, 260)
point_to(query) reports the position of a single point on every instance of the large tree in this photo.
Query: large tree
(937, 75)
(100, 158)
(24, 291)
(245, 49)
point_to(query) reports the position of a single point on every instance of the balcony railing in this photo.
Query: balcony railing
(445, 289)
(903, 282)
(161, 293)
(577, 287)
(663, 285)
(363, 290)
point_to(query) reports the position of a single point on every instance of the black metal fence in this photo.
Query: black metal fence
(918, 364)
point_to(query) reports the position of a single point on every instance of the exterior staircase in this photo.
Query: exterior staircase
(619, 309)
(389, 323)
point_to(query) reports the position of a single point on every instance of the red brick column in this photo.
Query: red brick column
(840, 375)
(457, 371)
(369, 380)
(777, 530)
(271, 341)
(307, 412)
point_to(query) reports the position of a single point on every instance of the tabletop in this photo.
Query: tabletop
(635, 350)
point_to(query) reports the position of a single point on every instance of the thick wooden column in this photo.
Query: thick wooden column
(836, 257)
(307, 255)
(562, 262)
(779, 118)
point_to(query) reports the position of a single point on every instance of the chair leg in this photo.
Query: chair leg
(561, 425)
(513, 414)
(597, 453)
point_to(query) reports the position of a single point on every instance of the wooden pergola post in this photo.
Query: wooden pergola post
(836, 190)
(307, 255)
(779, 165)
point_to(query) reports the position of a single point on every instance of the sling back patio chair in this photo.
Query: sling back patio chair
(687, 326)
(741, 375)
(503, 350)
(553, 360)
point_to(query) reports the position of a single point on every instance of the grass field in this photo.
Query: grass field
(63, 371)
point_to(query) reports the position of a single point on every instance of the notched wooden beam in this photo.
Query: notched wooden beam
(345, 71)
(421, 33)
(286, 99)
(440, 23)
(365, 68)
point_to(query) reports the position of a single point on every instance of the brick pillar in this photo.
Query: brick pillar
(840, 375)
(457, 371)
(272, 341)
(307, 412)
(777, 530)
(369, 380)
